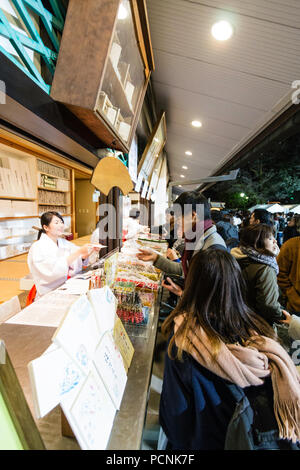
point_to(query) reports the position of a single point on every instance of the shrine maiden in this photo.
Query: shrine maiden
(52, 259)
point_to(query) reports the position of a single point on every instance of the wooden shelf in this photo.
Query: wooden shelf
(52, 204)
(24, 217)
(16, 198)
(17, 236)
(57, 190)
(53, 176)
(13, 256)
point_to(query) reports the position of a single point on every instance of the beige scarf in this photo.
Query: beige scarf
(247, 366)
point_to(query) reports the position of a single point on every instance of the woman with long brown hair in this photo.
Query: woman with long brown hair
(215, 340)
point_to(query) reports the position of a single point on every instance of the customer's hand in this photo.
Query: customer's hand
(172, 287)
(171, 254)
(147, 255)
(288, 317)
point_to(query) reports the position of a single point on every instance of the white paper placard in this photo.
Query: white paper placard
(48, 310)
(104, 304)
(78, 333)
(75, 286)
(109, 364)
(9, 308)
(145, 187)
(92, 414)
(52, 376)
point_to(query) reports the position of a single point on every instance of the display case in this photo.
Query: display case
(151, 157)
(103, 67)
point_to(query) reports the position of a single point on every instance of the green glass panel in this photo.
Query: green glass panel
(9, 439)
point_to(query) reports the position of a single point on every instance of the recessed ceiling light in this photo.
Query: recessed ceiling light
(184, 167)
(196, 123)
(181, 176)
(222, 30)
(188, 152)
(122, 13)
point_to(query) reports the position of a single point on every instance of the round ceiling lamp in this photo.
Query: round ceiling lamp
(222, 30)
(122, 13)
(196, 123)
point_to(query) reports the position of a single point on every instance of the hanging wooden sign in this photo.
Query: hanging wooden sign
(111, 172)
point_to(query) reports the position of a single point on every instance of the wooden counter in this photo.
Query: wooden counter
(27, 342)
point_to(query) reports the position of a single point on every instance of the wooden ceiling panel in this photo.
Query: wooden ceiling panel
(234, 88)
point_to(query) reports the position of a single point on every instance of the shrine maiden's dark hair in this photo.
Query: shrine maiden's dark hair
(46, 220)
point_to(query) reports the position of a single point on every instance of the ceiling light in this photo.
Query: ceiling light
(184, 167)
(122, 13)
(188, 152)
(222, 30)
(180, 186)
(196, 123)
(181, 176)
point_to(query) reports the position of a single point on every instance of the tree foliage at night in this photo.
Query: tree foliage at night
(273, 176)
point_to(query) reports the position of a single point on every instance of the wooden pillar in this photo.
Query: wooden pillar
(115, 240)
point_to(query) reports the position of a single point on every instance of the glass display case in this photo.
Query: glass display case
(124, 76)
(150, 156)
(103, 80)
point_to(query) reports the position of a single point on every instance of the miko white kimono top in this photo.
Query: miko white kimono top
(48, 265)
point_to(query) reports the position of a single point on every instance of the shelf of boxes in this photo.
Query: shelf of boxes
(17, 202)
(54, 188)
(29, 187)
(17, 236)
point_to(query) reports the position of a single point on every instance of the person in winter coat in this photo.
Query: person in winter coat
(256, 256)
(216, 341)
(292, 229)
(224, 227)
(188, 203)
(261, 216)
(289, 273)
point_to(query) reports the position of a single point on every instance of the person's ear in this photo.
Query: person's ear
(194, 216)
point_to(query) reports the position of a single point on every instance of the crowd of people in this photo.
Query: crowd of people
(230, 378)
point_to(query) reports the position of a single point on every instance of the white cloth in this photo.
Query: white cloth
(48, 265)
(95, 236)
(133, 227)
(236, 221)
